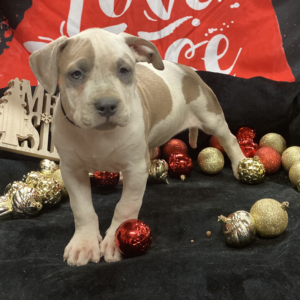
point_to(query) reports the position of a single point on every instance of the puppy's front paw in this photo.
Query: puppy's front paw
(83, 247)
(235, 165)
(108, 247)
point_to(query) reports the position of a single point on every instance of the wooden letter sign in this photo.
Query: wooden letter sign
(25, 120)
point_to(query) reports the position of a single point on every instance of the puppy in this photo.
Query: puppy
(113, 111)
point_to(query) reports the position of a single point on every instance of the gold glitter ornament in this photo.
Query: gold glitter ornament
(48, 166)
(251, 170)
(5, 206)
(27, 201)
(274, 141)
(33, 178)
(158, 171)
(211, 160)
(290, 156)
(57, 176)
(271, 218)
(50, 191)
(294, 174)
(238, 228)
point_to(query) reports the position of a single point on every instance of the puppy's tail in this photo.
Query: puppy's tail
(193, 137)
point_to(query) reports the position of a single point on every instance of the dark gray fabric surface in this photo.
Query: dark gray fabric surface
(31, 264)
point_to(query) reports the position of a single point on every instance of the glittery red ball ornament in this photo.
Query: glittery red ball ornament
(180, 165)
(214, 142)
(245, 133)
(106, 179)
(248, 147)
(270, 158)
(174, 146)
(133, 238)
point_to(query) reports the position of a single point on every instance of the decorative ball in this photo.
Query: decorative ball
(211, 160)
(33, 178)
(270, 158)
(294, 174)
(274, 141)
(12, 188)
(174, 146)
(133, 238)
(106, 179)
(271, 218)
(238, 228)
(180, 165)
(5, 206)
(214, 142)
(289, 156)
(158, 171)
(56, 175)
(248, 147)
(246, 133)
(49, 190)
(27, 201)
(48, 166)
(251, 170)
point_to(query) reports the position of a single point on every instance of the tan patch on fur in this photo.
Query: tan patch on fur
(79, 50)
(155, 95)
(190, 89)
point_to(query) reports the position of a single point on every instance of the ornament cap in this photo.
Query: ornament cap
(285, 205)
(182, 177)
(222, 219)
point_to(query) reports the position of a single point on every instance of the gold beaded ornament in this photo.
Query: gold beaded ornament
(251, 170)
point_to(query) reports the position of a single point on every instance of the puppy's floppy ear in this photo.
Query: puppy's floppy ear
(143, 50)
(44, 63)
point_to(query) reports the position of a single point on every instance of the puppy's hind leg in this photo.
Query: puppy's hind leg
(212, 121)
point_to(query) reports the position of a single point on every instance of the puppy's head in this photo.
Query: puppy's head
(96, 74)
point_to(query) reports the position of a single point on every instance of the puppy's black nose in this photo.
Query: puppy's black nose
(106, 107)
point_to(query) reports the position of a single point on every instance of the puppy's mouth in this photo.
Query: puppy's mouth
(102, 123)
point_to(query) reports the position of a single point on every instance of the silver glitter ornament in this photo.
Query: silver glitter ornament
(5, 206)
(12, 188)
(238, 228)
(158, 171)
(27, 201)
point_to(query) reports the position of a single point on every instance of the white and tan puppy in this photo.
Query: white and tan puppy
(113, 110)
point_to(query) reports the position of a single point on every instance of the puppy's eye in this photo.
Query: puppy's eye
(124, 72)
(76, 75)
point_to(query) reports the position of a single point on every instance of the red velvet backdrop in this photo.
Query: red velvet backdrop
(240, 38)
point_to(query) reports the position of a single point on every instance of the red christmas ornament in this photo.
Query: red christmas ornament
(106, 179)
(180, 165)
(133, 238)
(174, 146)
(245, 133)
(248, 147)
(270, 158)
(214, 142)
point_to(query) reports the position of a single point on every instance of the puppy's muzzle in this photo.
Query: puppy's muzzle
(106, 107)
